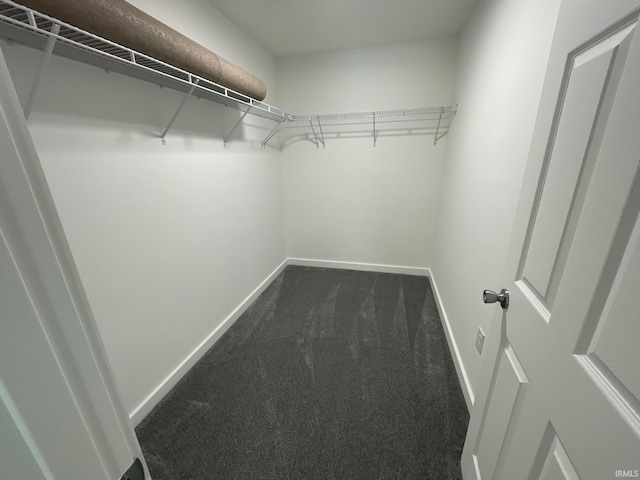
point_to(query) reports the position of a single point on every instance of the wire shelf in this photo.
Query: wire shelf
(380, 116)
(29, 27)
(24, 25)
(437, 118)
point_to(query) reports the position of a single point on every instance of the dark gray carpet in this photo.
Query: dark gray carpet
(330, 374)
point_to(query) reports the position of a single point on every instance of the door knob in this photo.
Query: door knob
(489, 296)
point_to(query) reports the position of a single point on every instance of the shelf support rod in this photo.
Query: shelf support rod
(224, 141)
(435, 140)
(321, 133)
(375, 138)
(55, 29)
(32, 19)
(317, 142)
(275, 130)
(175, 115)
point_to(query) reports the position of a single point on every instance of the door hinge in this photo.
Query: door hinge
(135, 472)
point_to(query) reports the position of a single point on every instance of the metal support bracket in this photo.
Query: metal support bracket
(175, 115)
(55, 29)
(321, 133)
(375, 137)
(32, 19)
(315, 136)
(275, 130)
(224, 141)
(435, 140)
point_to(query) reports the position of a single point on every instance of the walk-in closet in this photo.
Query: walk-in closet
(319, 240)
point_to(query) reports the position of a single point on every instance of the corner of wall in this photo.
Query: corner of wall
(144, 408)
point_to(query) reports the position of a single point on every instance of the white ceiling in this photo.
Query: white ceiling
(290, 27)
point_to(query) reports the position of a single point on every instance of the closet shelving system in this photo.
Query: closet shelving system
(439, 117)
(28, 27)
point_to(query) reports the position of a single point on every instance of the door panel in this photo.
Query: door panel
(604, 214)
(509, 389)
(573, 270)
(614, 346)
(618, 67)
(557, 464)
(608, 348)
(588, 81)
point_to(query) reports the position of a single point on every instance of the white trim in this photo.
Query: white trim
(476, 466)
(365, 267)
(145, 407)
(34, 239)
(467, 391)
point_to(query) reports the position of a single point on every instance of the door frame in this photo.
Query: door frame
(35, 237)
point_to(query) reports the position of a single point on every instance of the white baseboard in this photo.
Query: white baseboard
(143, 409)
(170, 381)
(365, 267)
(453, 346)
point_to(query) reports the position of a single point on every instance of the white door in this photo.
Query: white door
(60, 417)
(560, 392)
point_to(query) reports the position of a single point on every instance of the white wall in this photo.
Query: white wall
(352, 202)
(502, 61)
(168, 240)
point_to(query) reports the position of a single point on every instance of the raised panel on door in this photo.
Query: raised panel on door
(615, 340)
(608, 347)
(509, 390)
(566, 168)
(556, 464)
